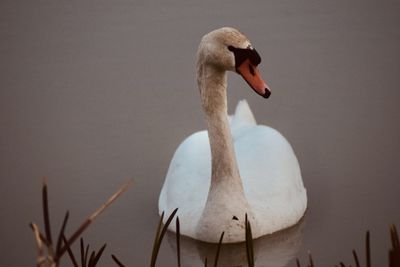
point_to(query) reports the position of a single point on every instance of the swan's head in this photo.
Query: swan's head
(228, 49)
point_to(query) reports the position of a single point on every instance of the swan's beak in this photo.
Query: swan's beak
(252, 76)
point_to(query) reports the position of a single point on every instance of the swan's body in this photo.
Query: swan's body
(235, 168)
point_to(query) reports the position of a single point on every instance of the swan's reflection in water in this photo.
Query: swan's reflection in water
(275, 250)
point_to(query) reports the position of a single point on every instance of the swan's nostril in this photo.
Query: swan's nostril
(267, 93)
(251, 69)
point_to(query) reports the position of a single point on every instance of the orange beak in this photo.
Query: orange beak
(252, 76)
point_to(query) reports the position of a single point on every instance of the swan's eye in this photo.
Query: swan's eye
(254, 57)
(241, 54)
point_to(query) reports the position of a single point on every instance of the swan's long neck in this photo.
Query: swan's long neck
(226, 199)
(226, 203)
(225, 173)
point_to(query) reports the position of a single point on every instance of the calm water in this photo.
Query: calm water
(95, 93)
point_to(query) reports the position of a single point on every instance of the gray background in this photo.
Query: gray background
(93, 93)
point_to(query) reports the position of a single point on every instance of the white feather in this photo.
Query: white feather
(268, 167)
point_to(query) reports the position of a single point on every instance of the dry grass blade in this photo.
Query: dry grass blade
(356, 258)
(298, 262)
(342, 264)
(394, 252)
(91, 258)
(205, 262)
(41, 236)
(218, 249)
(38, 239)
(310, 259)
(96, 256)
(368, 250)
(82, 250)
(178, 243)
(159, 226)
(61, 234)
(70, 253)
(46, 216)
(167, 223)
(110, 200)
(394, 237)
(249, 243)
(92, 217)
(86, 256)
(160, 236)
(117, 261)
(154, 252)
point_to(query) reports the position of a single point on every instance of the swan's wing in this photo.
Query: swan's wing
(188, 178)
(266, 157)
(271, 176)
(243, 115)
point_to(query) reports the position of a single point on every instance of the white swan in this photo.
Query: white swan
(237, 167)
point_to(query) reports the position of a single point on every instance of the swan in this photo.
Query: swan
(236, 168)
